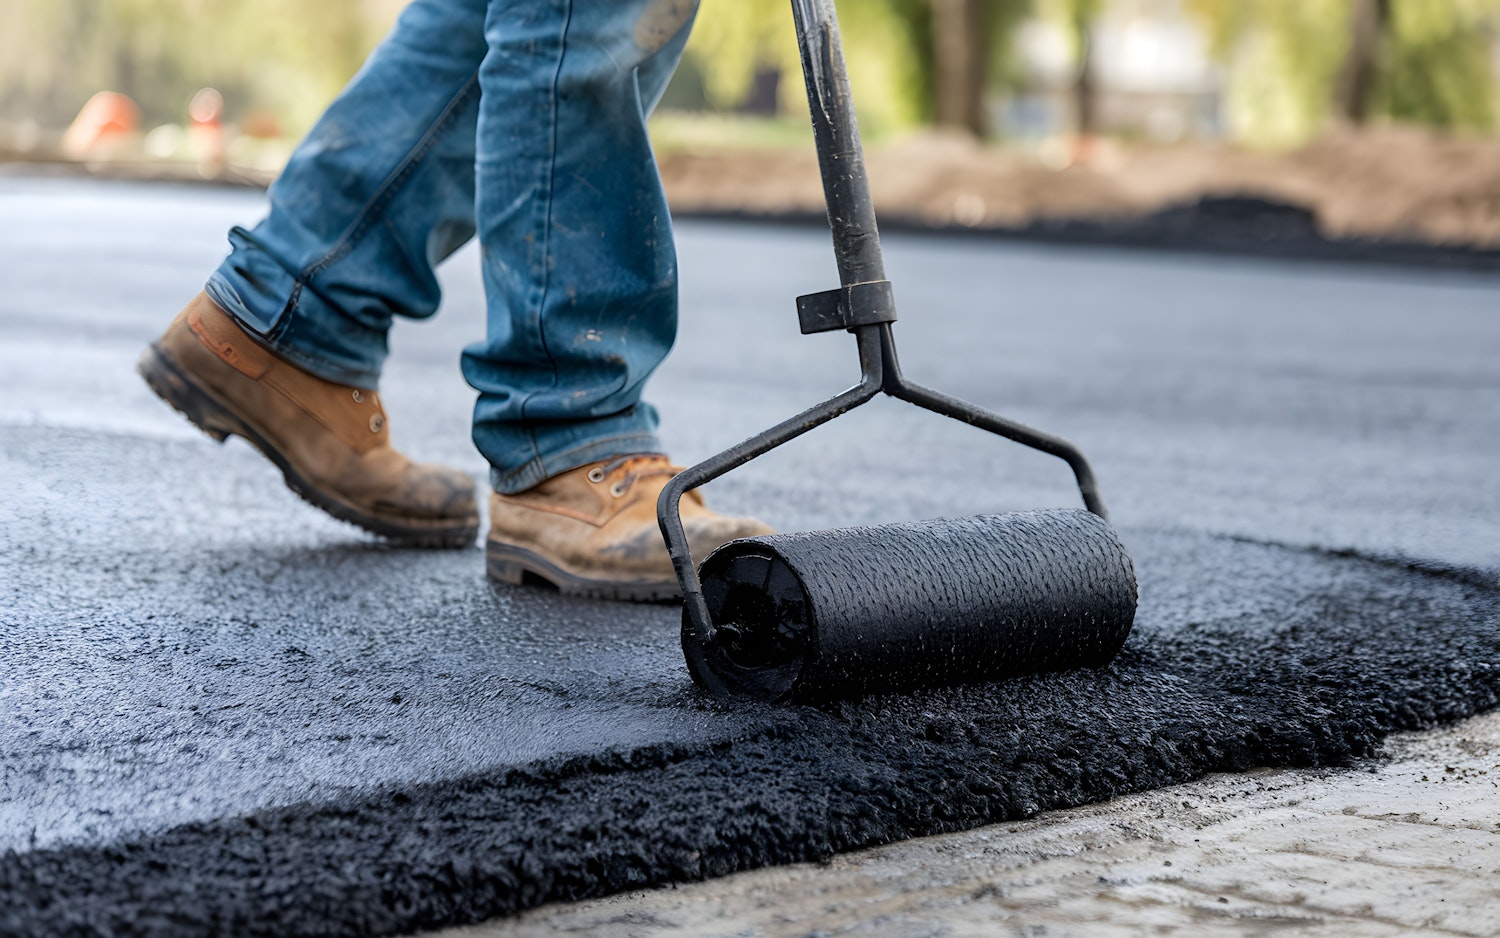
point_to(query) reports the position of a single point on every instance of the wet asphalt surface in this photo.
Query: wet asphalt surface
(221, 712)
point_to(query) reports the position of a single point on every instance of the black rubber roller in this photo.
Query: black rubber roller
(839, 613)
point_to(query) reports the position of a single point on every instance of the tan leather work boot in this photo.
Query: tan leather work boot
(592, 531)
(331, 441)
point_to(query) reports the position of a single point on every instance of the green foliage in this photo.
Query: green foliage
(1283, 59)
(285, 56)
(1005, 17)
(890, 60)
(1438, 69)
(1075, 16)
(733, 39)
(887, 43)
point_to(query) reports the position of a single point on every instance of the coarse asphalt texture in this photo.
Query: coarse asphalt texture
(225, 713)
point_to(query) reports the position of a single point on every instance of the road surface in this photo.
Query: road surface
(224, 711)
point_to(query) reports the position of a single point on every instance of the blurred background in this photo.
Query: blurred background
(1378, 116)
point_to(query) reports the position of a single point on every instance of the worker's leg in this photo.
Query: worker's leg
(285, 345)
(581, 279)
(381, 190)
(579, 265)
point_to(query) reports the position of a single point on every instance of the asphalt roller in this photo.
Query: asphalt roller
(827, 614)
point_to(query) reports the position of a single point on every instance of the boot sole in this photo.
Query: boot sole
(506, 563)
(173, 385)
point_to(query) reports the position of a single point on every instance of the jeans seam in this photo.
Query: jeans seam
(388, 190)
(546, 213)
(275, 339)
(314, 364)
(284, 320)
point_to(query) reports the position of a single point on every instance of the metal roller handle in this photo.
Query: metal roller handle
(864, 305)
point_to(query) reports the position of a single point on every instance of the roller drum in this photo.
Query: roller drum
(828, 614)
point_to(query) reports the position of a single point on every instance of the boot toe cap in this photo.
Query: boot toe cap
(710, 532)
(434, 492)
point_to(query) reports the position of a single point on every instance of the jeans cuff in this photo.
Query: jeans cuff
(543, 467)
(227, 298)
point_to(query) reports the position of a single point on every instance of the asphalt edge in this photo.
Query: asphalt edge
(1242, 225)
(466, 849)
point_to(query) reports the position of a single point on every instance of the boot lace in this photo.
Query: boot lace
(638, 466)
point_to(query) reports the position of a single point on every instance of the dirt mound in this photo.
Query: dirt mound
(1394, 183)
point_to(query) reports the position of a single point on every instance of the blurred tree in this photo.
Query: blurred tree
(734, 39)
(910, 61)
(1294, 63)
(1438, 68)
(889, 59)
(287, 58)
(961, 57)
(283, 56)
(1283, 57)
(1077, 20)
(970, 54)
(1369, 22)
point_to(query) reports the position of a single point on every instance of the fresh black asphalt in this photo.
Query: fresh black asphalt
(222, 713)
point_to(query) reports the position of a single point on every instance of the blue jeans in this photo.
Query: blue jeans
(523, 121)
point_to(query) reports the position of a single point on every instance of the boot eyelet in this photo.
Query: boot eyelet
(617, 489)
(359, 398)
(596, 474)
(376, 423)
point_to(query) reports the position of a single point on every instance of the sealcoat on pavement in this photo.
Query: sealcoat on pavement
(222, 712)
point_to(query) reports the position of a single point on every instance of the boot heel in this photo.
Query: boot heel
(173, 387)
(504, 570)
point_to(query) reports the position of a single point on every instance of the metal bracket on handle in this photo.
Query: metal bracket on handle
(859, 304)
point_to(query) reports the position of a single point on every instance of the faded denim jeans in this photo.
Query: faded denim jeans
(523, 121)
